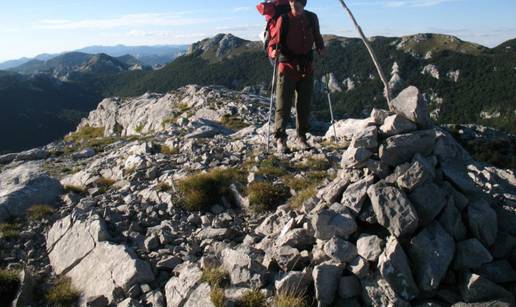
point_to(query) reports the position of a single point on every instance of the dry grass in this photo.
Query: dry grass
(264, 196)
(85, 133)
(273, 167)
(74, 188)
(39, 212)
(201, 191)
(302, 196)
(167, 150)
(105, 182)
(9, 282)
(253, 298)
(63, 293)
(215, 277)
(233, 122)
(290, 299)
(314, 165)
(217, 297)
(163, 187)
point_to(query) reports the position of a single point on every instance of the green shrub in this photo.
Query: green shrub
(10, 230)
(139, 128)
(39, 212)
(252, 298)
(201, 191)
(216, 277)
(9, 282)
(232, 122)
(63, 293)
(264, 196)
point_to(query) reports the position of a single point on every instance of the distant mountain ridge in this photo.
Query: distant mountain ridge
(147, 55)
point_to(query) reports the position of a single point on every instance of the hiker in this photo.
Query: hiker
(299, 30)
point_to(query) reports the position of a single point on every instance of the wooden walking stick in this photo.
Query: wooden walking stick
(386, 91)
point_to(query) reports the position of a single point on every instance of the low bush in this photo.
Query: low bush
(39, 212)
(63, 293)
(9, 230)
(265, 196)
(201, 191)
(253, 298)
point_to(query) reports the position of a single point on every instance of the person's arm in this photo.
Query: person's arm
(319, 42)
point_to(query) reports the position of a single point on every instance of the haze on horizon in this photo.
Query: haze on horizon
(52, 26)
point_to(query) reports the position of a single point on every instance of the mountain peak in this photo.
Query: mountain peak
(426, 44)
(218, 47)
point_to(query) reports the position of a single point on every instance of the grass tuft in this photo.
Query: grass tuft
(201, 191)
(74, 188)
(264, 196)
(167, 150)
(290, 299)
(217, 297)
(9, 282)
(253, 298)
(63, 293)
(10, 230)
(302, 196)
(215, 276)
(85, 133)
(233, 122)
(39, 212)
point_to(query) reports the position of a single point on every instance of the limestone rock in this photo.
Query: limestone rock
(394, 267)
(431, 252)
(482, 222)
(393, 209)
(479, 289)
(340, 250)
(349, 286)
(326, 280)
(356, 193)
(471, 254)
(370, 247)
(397, 124)
(328, 223)
(24, 186)
(428, 200)
(412, 106)
(178, 289)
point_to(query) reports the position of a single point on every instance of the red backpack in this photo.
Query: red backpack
(272, 10)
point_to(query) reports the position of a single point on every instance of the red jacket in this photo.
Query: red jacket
(303, 32)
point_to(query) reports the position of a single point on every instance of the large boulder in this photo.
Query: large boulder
(328, 223)
(326, 280)
(394, 268)
(24, 186)
(370, 247)
(412, 106)
(78, 248)
(431, 252)
(393, 210)
(243, 266)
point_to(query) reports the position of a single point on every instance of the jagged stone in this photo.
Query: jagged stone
(356, 193)
(393, 209)
(355, 156)
(412, 106)
(340, 250)
(243, 266)
(370, 247)
(333, 191)
(482, 222)
(379, 116)
(471, 254)
(431, 252)
(378, 293)
(298, 238)
(326, 281)
(428, 200)
(394, 267)
(499, 271)
(178, 289)
(397, 124)
(359, 266)
(366, 138)
(419, 172)
(25, 186)
(451, 221)
(401, 148)
(200, 297)
(292, 282)
(347, 128)
(328, 224)
(479, 289)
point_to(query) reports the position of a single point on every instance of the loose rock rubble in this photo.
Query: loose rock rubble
(408, 218)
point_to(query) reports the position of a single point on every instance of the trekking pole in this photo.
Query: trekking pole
(271, 102)
(387, 91)
(331, 109)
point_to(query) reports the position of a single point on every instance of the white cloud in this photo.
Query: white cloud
(144, 19)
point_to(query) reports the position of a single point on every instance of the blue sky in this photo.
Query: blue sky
(30, 27)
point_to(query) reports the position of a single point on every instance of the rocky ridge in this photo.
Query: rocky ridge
(400, 216)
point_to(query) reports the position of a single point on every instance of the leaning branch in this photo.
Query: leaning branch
(387, 91)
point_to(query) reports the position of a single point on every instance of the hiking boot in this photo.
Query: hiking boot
(302, 144)
(281, 146)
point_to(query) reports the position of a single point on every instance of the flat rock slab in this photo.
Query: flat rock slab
(402, 148)
(78, 248)
(24, 186)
